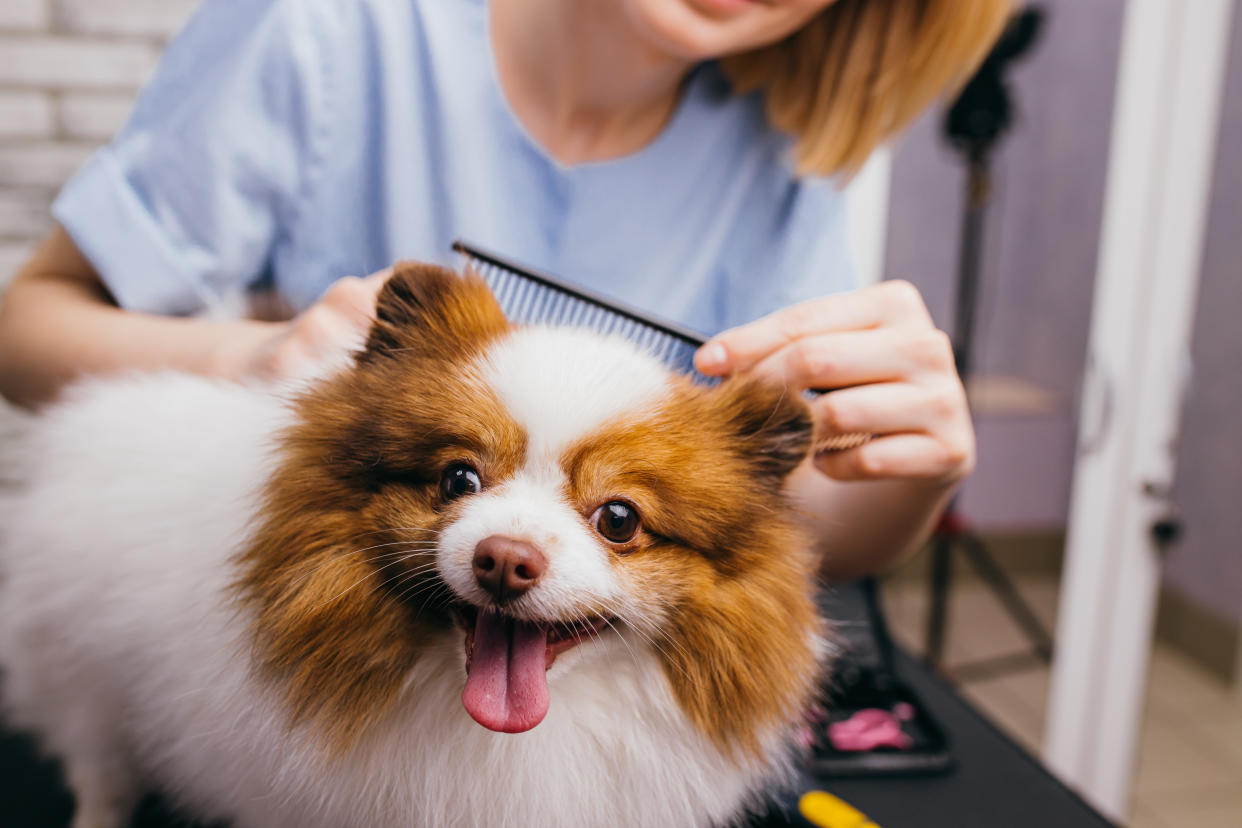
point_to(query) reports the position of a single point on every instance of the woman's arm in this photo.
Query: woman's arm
(57, 322)
(893, 377)
(862, 528)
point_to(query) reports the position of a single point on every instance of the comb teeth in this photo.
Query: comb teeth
(531, 299)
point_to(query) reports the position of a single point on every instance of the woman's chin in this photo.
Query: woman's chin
(696, 30)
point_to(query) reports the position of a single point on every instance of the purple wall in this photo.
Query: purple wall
(1039, 270)
(1039, 261)
(1207, 566)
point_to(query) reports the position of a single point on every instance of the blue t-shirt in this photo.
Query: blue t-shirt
(297, 141)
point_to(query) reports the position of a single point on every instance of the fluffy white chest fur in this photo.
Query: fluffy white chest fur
(130, 645)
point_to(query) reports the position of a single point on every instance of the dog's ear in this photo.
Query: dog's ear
(433, 312)
(771, 424)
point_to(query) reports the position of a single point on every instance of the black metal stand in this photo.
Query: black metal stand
(974, 124)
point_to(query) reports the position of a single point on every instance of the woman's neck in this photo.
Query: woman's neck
(580, 78)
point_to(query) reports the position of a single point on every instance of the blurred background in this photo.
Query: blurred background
(1141, 707)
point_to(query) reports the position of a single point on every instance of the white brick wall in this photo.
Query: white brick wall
(42, 164)
(93, 116)
(24, 211)
(69, 70)
(25, 15)
(65, 62)
(27, 114)
(158, 18)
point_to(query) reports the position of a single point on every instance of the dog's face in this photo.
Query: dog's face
(530, 492)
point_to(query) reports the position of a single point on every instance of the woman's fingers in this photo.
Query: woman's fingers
(919, 431)
(343, 315)
(354, 298)
(838, 360)
(912, 456)
(375, 282)
(888, 303)
(324, 335)
(889, 408)
(888, 372)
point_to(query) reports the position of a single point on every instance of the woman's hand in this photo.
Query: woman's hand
(321, 337)
(892, 375)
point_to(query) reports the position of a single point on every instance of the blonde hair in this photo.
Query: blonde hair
(861, 70)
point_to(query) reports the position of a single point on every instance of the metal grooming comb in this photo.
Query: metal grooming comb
(530, 297)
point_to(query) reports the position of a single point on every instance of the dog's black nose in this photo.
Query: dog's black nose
(506, 567)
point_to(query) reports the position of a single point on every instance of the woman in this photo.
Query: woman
(675, 154)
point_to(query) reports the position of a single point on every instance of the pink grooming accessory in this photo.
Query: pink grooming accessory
(870, 729)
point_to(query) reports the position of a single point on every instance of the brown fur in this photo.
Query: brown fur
(706, 473)
(340, 621)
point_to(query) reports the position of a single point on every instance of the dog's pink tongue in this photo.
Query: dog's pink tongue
(506, 685)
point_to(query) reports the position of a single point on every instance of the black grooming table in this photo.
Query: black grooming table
(995, 783)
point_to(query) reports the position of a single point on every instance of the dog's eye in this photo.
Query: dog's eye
(459, 479)
(616, 521)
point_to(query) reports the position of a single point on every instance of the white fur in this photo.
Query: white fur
(531, 507)
(559, 385)
(562, 383)
(123, 649)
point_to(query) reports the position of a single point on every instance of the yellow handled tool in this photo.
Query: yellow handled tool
(827, 811)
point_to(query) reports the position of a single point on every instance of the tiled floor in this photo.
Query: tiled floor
(1190, 756)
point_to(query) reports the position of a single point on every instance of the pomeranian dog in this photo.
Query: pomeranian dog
(484, 575)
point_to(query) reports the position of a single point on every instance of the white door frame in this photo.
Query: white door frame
(1165, 123)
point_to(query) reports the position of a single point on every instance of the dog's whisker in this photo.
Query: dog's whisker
(396, 580)
(333, 558)
(400, 529)
(668, 657)
(606, 613)
(435, 593)
(418, 569)
(417, 575)
(412, 552)
(624, 643)
(418, 585)
(355, 584)
(677, 647)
